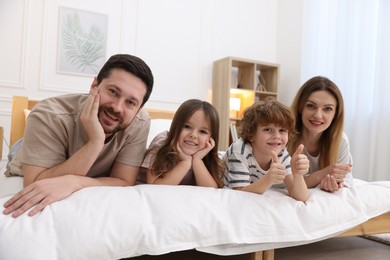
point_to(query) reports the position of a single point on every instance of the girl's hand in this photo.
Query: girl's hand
(299, 162)
(202, 153)
(277, 171)
(182, 156)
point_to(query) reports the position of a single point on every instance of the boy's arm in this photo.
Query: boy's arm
(275, 175)
(295, 182)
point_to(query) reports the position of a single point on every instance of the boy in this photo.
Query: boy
(259, 159)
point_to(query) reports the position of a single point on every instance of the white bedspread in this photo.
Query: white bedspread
(118, 222)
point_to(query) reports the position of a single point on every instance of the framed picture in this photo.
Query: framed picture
(82, 42)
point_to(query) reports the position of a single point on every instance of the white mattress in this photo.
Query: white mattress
(119, 222)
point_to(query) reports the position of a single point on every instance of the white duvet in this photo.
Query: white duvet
(118, 222)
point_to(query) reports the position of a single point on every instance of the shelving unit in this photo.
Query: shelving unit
(241, 78)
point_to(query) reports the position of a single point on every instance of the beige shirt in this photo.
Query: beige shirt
(54, 133)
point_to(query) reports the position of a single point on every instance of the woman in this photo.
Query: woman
(319, 111)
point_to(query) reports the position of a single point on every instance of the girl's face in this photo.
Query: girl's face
(195, 133)
(318, 112)
(269, 138)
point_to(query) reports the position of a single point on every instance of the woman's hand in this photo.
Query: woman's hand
(338, 171)
(330, 184)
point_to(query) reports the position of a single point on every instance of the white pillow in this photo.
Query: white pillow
(26, 113)
(157, 126)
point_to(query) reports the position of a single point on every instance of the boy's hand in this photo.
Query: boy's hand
(277, 171)
(299, 162)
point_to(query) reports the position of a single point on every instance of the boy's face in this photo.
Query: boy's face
(269, 138)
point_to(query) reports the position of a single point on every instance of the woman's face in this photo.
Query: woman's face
(195, 133)
(318, 112)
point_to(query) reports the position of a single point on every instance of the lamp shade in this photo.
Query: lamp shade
(235, 104)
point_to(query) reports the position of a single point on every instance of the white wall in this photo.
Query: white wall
(289, 43)
(178, 39)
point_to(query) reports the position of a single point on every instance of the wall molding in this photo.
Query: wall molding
(20, 83)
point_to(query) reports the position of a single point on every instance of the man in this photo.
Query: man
(77, 141)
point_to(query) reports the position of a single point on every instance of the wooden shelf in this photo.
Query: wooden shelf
(237, 77)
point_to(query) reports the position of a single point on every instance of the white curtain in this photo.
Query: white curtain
(349, 42)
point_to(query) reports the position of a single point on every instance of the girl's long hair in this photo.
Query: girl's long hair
(331, 138)
(166, 157)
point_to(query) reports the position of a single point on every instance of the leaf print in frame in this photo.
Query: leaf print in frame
(82, 41)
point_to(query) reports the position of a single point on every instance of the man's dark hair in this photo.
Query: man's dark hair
(131, 64)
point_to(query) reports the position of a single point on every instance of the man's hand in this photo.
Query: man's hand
(40, 194)
(89, 117)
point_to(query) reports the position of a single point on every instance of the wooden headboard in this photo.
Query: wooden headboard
(18, 118)
(21, 103)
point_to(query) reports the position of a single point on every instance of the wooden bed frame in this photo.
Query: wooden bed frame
(376, 225)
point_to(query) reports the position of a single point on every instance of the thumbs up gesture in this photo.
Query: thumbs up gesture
(277, 171)
(299, 162)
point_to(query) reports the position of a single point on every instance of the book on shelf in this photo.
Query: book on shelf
(233, 132)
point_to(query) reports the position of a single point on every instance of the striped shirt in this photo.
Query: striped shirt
(242, 168)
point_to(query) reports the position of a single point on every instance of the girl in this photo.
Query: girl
(187, 154)
(319, 111)
(259, 159)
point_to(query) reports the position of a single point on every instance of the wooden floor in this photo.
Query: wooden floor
(346, 248)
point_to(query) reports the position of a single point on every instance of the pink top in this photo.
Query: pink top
(189, 178)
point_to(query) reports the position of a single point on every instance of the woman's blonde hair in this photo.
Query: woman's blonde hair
(331, 138)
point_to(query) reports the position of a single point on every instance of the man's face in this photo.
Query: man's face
(121, 96)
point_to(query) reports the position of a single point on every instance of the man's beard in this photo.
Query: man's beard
(114, 114)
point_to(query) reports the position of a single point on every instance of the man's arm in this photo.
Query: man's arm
(41, 193)
(44, 186)
(81, 161)
(78, 164)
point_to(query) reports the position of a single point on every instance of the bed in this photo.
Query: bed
(123, 222)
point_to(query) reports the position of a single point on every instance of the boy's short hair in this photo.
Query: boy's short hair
(265, 113)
